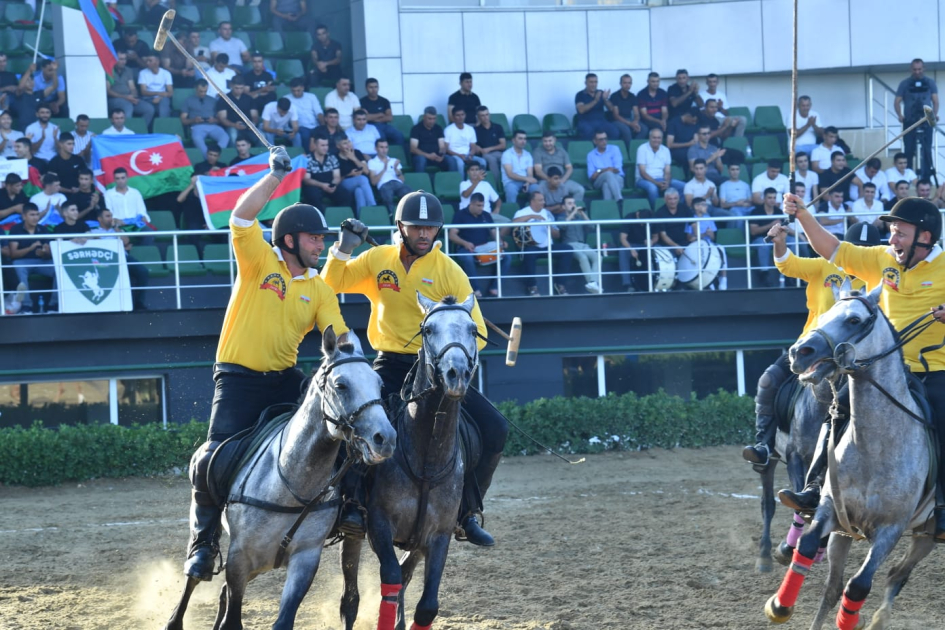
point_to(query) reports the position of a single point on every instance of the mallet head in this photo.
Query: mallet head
(929, 116)
(515, 338)
(166, 22)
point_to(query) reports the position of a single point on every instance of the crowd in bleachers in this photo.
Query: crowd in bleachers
(655, 154)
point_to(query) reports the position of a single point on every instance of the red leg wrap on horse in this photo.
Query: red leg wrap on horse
(793, 579)
(387, 617)
(849, 614)
(414, 626)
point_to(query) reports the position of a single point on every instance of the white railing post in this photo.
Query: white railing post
(176, 270)
(601, 376)
(740, 371)
(649, 255)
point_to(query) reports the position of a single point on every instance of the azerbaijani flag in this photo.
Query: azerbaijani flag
(218, 195)
(253, 165)
(100, 23)
(156, 162)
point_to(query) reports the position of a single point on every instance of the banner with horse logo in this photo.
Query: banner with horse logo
(93, 276)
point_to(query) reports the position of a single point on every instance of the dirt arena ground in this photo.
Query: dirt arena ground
(662, 539)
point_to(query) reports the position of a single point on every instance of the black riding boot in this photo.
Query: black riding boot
(205, 541)
(352, 521)
(472, 530)
(808, 499)
(765, 426)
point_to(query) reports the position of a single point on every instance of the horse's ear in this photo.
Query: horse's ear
(426, 304)
(470, 302)
(846, 288)
(350, 337)
(836, 291)
(329, 342)
(875, 293)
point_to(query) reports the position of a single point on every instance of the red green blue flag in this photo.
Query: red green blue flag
(156, 163)
(100, 24)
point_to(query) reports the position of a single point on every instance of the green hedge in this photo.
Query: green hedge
(40, 456)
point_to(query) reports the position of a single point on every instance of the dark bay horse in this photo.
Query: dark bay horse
(415, 498)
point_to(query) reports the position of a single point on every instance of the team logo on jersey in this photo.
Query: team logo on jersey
(833, 280)
(275, 283)
(387, 279)
(891, 278)
(927, 283)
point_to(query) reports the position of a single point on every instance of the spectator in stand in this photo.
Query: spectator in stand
(24, 151)
(331, 130)
(354, 183)
(212, 163)
(243, 146)
(237, 55)
(181, 68)
(803, 174)
(868, 203)
(31, 255)
(673, 233)
(633, 255)
(188, 200)
(49, 200)
(605, 168)
(762, 219)
(87, 199)
(117, 128)
(463, 98)
(199, 113)
(125, 203)
(807, 127)
(344, 101)
(280, 123)
(591, 114)
(912, 95)
(156, 85)
(379, 114)
(654, 103)
(322, 176)
(134, 49)
(286, 14)
(137, 274)
(461, 148)
(476, 183)
(735, 194)
(575, 236)
(870, 172)
(8, 136)
(518, 169)
(655, 167)
(26, 101)
(307, 108)
(832, 215)
(771, 178)
(123, 92)
(470, 240)
(83, 138)
(820, 157)
(8, 84)
(923, 190)
(260, 82)
(712, 92)
(326, 59)
(71, 223)
(541, 237)
(222, 75)
(491, 140)
(12, 200)
(227, 116)
(700, 187)
(902, 191)
(554, 192)
(709, 153)
(43, 134)
(900, 171)
(683, 95)
(837, 171)
(549, 154)
(67, 164)
(626, 113)
(718, 131)
(681, 135)
(363, 136)
(52, 87)
(387, 175)
(427, 143)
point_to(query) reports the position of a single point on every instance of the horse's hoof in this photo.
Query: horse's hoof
(784, 554)
(880, 619)
(776, 613)
(763, 565)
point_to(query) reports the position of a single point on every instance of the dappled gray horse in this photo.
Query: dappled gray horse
(267, 496)
(878, 472)
(415, 498)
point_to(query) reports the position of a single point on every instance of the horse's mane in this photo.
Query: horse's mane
(347, 347)
(449, 299)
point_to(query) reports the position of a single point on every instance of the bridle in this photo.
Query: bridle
(329, 409)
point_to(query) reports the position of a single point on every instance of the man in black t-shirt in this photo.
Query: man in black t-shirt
(683, 95)
(227, 116)
(326, 59)
(837, 171)
(87, 199)
(490, 137)
(259, 80)
(464, 98)
(12, 199)
(379, 114)
(625, 111)
(427, 144)
(67, 165)
(673, 234)
(8, 84)
(632, 256)
(136, 49)
(70, 221)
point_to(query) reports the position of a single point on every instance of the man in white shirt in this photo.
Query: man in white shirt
(307, 108)
(771, 178)
(281, 122)
(834, 213)
(900, 171)
(869, 203)
(83, 138)
(220, 75)
(386, 175)
(126, 203)
(712, 92)
(362, 135)
(476, 183)
(117, 116)
(654, 164)
(8, 136)
(234, 48)
(701, 186)
(345, 101)
(156, 85)
(820, 159)
(49, 201)
(461, 147)
(541, 235)
(871, 172)
(810, 179)
(808, 127)
(42, 134)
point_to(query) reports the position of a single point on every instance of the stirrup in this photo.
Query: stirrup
(352, 519)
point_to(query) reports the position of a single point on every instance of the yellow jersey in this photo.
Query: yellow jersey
(907, 293)
(821, 277)
(270, 312)
(379, 275)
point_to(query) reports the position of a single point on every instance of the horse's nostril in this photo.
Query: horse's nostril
(451, 373)
(379, 439)
(804, 350)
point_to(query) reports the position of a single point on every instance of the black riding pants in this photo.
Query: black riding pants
(241, 394)
(765, 397)
(493, 426)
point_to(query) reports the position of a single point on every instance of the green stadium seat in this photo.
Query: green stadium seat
(248, 17)
(733, 240)
(269, 44)
(739, 143)
(170, 125)
(557, 124)
(321, 93)
(297, 43)
(18, 14)
(578, 150)
(446, 185)
(208, 36)
(180, 95)
(768, 117)
(375, 216)
(766, 148)
(441, 121)
(527, 123)
(632, 206)
(744, 173)
(138, 125)
(627, 160)
(294, 152)
(604, 210)
(288, 69)
(227, 155)
(397, 151)
(503, 121)
(244, 37)
(64, 124)
(98, 125)
(579, 176)
(163, 220)
(11, 41)
(402, 123)
(676, 172)
(194, 155)
(216, 258)
(150, 256)
(448, 213)
(258, 150)
(418, 181)
(188, 12)
(19, 65)
(186, 259)
(334, 215)
(212, 16)
(633, 148)
(128, 13)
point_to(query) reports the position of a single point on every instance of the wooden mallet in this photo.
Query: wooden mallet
(514, 338)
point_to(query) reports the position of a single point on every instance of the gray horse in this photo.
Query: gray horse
(342, 404)
(877, 482)
(399, 510)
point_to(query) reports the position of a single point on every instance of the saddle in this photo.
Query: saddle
(236, 451)
(785, 400)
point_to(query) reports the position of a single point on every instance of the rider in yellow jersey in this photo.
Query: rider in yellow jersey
(390, 276)
(822, 278)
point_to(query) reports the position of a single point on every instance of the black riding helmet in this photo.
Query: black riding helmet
(419, 208)
(299, 217)
(921, 213)
(862, 233)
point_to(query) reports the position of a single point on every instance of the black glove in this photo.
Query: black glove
(353, 234)
(279, 163)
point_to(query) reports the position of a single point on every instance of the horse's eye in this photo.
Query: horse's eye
(426, 330)
(341, 386)
(853, 321)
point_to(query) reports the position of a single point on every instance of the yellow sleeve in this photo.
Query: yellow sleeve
(461, 288)
(249, 247)
(348, 276)
(866, 263)
(807, 269)
(329, 311)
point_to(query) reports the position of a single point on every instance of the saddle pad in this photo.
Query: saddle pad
(785, 400)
